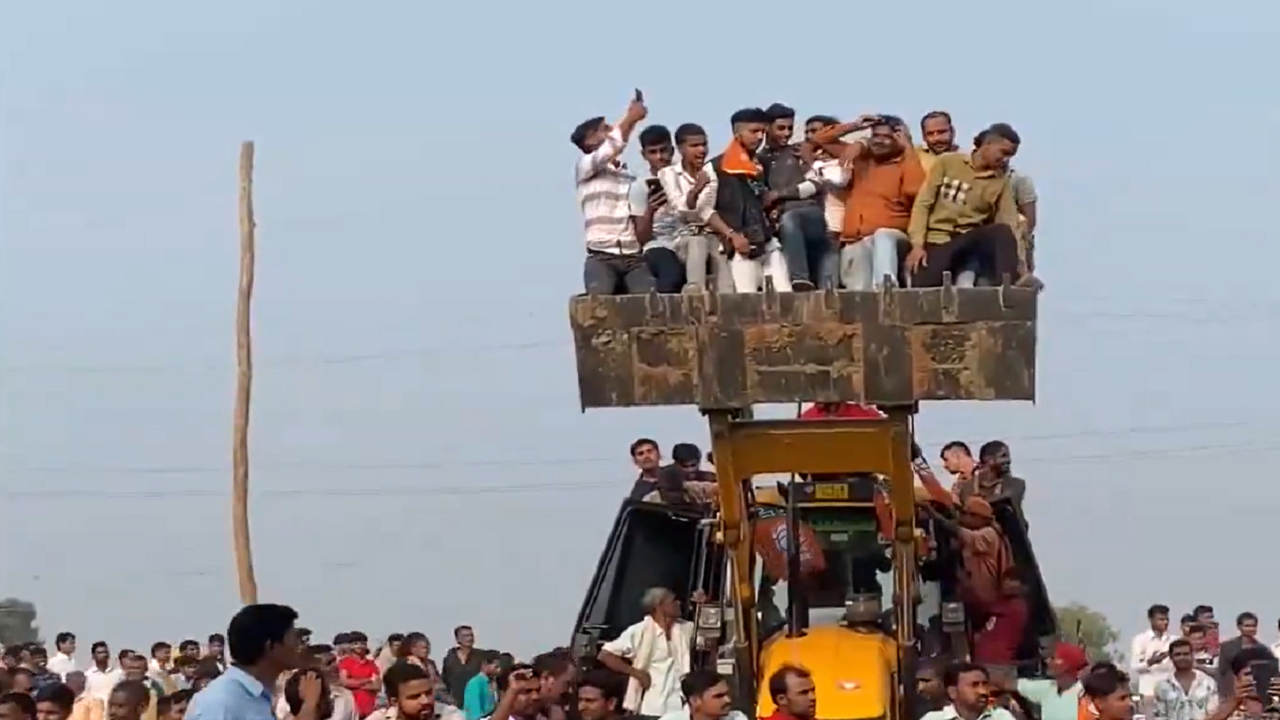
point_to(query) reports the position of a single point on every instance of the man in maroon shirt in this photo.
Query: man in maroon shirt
(996, 641)
(359, 674)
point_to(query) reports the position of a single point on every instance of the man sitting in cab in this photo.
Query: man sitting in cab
(684, 482)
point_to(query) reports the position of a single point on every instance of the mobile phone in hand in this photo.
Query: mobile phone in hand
(656, 193)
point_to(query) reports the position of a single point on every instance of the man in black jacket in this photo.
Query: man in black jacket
(802, 228)
(741, 203)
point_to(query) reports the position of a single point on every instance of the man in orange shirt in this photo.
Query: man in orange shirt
(886, 176)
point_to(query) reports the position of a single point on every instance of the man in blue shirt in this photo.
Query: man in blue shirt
(263, 644)
(479, 699)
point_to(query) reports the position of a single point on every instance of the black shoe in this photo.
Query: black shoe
(802, 286)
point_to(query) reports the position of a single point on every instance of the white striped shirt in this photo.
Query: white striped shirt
(604, 195)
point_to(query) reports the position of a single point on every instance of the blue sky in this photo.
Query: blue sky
(419, 458)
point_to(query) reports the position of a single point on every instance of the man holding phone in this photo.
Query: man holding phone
(614, 261)
(1149, 653)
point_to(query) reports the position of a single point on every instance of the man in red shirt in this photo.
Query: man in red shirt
(843, 410)
(791, 689)
(359, 673)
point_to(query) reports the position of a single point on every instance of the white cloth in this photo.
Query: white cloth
(99, 683)
(748, 274)
(665, 658)
(1145, 645)
(61, 663)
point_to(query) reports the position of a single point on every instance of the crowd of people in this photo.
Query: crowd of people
(356, 681)
(267, 668)
(854, 205)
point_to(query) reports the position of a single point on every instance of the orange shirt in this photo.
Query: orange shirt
(881, 195)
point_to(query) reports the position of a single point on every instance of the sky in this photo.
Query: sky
(419, 459)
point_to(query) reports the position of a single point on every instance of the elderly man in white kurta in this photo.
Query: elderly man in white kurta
(657, 649)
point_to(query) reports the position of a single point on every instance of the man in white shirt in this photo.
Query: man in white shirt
(614, 262)
(707, 695)
(969, 689)
(1149, 654)
(64, 660)
(657, 649)
(102, 675)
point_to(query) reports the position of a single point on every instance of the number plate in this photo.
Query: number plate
(831, 491)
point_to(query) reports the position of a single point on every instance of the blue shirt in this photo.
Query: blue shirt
(234, 695)
(478, 700)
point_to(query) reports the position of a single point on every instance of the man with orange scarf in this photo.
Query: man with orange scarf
(740, 202)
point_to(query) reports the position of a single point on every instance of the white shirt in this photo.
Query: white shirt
(604, 196)
(663, 695)
(833, 177)
(62, 664)
(344, 706)
(1144, 646)
(99, 683)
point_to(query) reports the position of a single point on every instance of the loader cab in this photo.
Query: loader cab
(650, 545)
(856, 566)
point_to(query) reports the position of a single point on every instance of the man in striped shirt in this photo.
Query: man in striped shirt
(614, 261)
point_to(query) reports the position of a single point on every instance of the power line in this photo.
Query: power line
(422, 354)
(558, 462)
(433, 491)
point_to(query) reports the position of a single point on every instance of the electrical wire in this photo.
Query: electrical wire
(555, 462)
(322, 359)
(431, 491)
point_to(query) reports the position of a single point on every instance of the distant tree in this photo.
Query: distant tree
(1082, 625)
(18, 622)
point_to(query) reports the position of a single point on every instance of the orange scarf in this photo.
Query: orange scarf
(737, 161)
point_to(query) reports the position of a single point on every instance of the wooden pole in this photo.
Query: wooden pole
(244, 385)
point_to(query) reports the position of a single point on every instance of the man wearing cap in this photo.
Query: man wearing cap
(983, 549)
(1058, 696)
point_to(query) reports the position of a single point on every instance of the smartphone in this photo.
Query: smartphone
(1264, 673)
(656, 193)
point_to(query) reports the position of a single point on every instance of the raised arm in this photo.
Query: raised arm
(615, 141)
(830, 139)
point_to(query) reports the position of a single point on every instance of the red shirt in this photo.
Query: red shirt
(850, 411)
(364, 670)
(997, 643)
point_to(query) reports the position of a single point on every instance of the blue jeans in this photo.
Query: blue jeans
(865, 263)
(810, 257)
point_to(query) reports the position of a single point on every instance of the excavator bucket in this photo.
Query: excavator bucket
(724, 352)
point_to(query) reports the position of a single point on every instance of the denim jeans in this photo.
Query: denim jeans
(609, 274)
(865, 263)
(803, 234)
